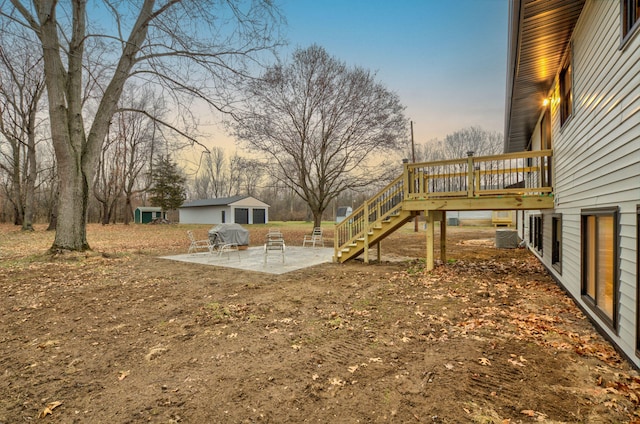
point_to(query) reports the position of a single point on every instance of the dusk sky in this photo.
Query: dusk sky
(445, 59)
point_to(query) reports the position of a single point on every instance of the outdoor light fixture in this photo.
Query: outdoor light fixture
(546, 102)
(470, 153)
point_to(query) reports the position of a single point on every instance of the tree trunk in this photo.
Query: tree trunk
(106, 216)
(32, 169)
(317, 218)
(71, 233)
(128, 213)
(16, 187)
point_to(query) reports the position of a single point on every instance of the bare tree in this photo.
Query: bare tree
(21, 88)
(192, 48)
(127, 154)
(457, 144)
(472, 139)
(220, 175)
(322, 125)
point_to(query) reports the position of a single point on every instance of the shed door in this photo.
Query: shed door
(147, 217)
(241, 215)
(259, 216)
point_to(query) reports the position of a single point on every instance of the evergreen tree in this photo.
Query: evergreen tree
(167, 189)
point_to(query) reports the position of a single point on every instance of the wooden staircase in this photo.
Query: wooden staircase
(513, 181)
(374, 235)
(370, 223)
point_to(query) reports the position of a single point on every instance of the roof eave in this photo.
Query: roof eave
(539, 33)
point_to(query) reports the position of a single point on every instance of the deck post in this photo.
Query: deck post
(470, 171)
(443, 237)
(379, 251)
(429, 262)
(406, 182)
(335, 243)
(366, 232)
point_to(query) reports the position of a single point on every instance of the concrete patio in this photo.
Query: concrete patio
(253, 259)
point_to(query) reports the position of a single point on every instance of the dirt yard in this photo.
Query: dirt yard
(119, 335)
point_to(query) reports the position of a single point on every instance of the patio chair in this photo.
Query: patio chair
(314, 237)
(274, 243)
(198, 244)
(228, 248)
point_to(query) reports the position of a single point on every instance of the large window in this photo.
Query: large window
(630, 17)
(599, 229)
(556, 242)
(566, 90)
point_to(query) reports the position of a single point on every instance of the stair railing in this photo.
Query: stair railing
(384, 204)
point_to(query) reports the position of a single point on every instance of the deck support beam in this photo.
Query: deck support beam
(366, 232)
(429, 262)
(443, 237)
(432, 217)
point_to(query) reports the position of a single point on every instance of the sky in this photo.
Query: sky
(445, 59)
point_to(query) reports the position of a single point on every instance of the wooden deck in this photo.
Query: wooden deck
(513, 181)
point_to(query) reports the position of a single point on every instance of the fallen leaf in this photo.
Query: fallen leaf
(123, 375)
(337, 382)
(353, 369)
(516, 363)
(448, 366)
(48, 410)
(529, 412)
(484, 361)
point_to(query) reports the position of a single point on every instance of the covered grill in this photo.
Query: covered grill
(229, 233)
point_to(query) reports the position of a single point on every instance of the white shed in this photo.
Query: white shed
(225, 210)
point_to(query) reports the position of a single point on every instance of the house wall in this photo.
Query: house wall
(597, 158)
(205, 215)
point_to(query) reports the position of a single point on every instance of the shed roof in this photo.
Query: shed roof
(539, 34)
(223, 201)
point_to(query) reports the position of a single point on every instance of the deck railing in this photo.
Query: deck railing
(512, 173)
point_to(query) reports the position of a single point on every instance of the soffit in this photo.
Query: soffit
(539, 33)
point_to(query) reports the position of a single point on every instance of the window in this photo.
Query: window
(566, 91)
(545, 127)
(630, 17)
(535, 232)
(224, 217)
(599, 258)
(545, 143)
(556, 242)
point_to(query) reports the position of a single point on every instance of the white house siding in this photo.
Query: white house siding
(205, 215)
(597, 156)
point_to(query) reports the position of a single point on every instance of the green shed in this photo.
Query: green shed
(146, 214)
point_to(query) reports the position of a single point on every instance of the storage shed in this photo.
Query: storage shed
(146, 214)
(225, 210)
